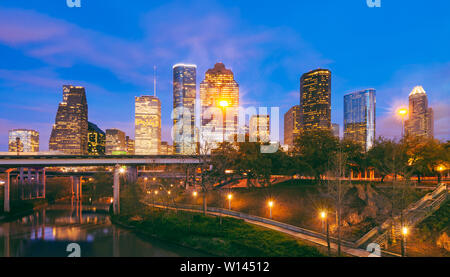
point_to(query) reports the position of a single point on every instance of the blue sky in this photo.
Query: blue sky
(110, 47)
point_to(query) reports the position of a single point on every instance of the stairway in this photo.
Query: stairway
(390, 231)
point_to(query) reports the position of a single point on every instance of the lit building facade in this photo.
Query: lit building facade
(115, 142)
(130, 145)
(291, 125)
(184, 97)
(219, 95)
(359, 117)
(421, 117)
(147, 125)
(315, 100)
(166, 148)
(259, 128)
(96, 140)
(70, 131)
(23, 140)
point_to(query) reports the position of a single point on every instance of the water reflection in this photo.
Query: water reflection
(47, 232)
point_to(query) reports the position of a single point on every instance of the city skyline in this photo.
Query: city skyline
(32, 71)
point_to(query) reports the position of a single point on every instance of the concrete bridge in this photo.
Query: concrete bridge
(37, 164)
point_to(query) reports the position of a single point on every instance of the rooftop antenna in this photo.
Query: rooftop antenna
(154, 80)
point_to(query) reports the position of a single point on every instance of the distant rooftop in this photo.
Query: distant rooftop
(417, 90)
(219, 68)
(184, 65)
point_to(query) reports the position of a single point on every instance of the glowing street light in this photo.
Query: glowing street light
(404, 234)
(405, 231)
(323, 216)
(270, 204)
(403, 112)
(122, 170)
(194, 194)
(229, 196)
(156, 192)
(440, 169)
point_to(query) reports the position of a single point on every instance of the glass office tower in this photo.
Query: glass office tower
(315, 100)
(147, 125)
(23, 140)
(184, 96)
(219, 95)
(96, 140)
(291, 125)
(421, 117)
(359, 117)
(70, 131)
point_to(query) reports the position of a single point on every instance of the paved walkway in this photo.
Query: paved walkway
(348, 250)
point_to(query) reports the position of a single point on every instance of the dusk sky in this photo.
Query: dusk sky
(110, 47)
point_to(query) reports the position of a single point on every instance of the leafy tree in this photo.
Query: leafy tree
(425, 155)
(388, 157)
(314, 148)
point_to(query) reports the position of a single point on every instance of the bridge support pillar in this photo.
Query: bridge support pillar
(132, 174)
(44, 181)
(6, 195)
(116, 204)
(76, 187)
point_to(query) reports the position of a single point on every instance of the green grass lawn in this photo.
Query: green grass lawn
(226, 237)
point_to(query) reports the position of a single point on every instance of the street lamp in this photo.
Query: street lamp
(229, 196)
(122, 170)
(323, 216)
(403, 112)
(440, 169)
(270, 204)
(403, 242)
(194, 194)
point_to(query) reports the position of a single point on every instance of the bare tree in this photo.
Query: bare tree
(337, 188)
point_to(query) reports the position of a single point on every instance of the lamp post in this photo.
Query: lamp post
(324, 217)
(229, 196)
(403, 112)
(270, 204)
(403, 242)
(440, 169)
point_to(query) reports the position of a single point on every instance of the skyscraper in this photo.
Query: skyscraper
(315, 100)
(147, 125)
(336, 130)
(291, 125)
(115, 142)
(260, 128)
(359, 117)
(219, 95)
(421, 118)
(129, 145)
(23, 140)
(96, 140)
(184, 95)
(69, 133)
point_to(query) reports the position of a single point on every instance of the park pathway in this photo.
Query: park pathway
(294, 231)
